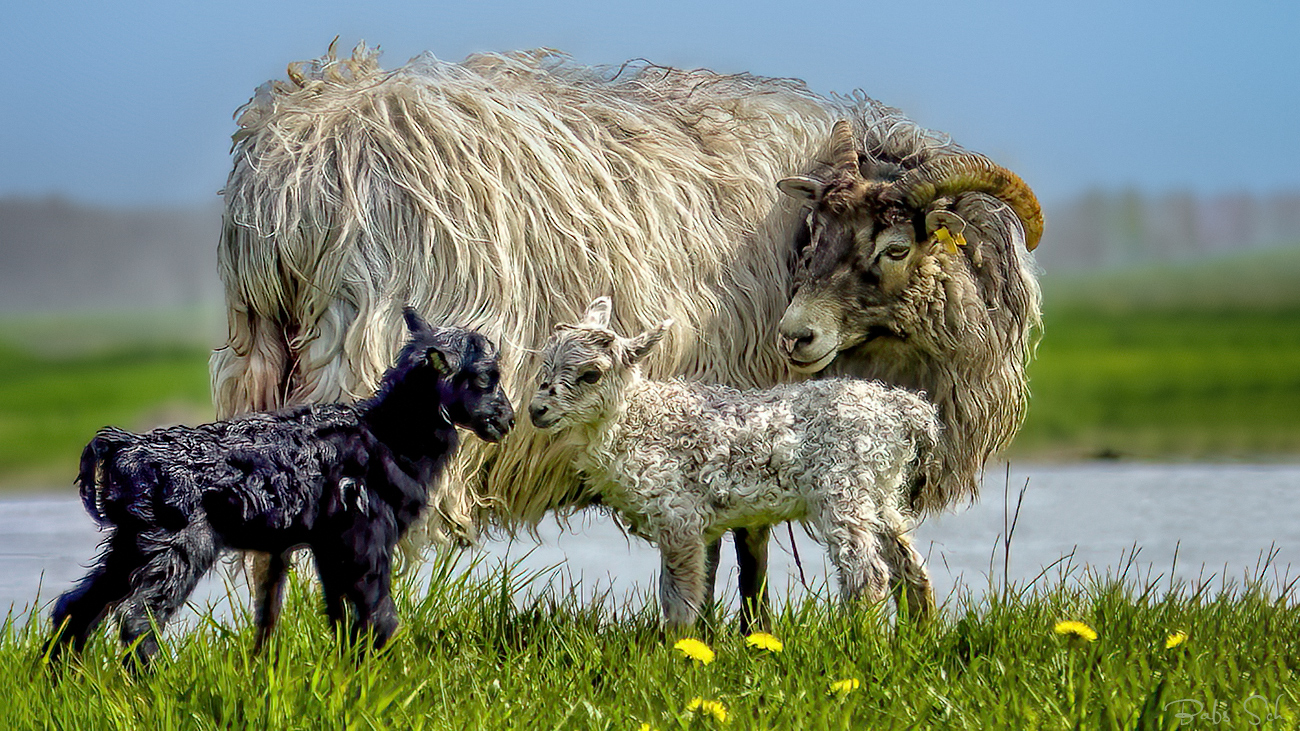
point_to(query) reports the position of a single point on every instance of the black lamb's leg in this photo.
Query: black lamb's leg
(359, 577)
(751, 556)
(270, 598)
(376, 612)
(175, 563)
(80, 610)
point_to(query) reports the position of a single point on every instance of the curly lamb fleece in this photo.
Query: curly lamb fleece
(684, 462)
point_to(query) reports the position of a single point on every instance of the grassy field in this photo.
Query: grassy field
(1197, 361)
(1160, 364)
(1192, 362)
(469, 656)
(50, 405)
(1165, 383)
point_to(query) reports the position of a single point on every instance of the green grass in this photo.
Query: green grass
(1161, 383)
(50, 405)
(479, 653)
(1198, 361)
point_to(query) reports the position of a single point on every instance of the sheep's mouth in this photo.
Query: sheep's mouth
(815, 365)
(876, 332)
(545, 421)
(491, 431)
(873, 334)
(494, 429)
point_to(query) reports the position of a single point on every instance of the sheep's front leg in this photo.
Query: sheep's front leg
(751, 556)
(269, 598)
(356, 573)
(712, 557)
(681, 580)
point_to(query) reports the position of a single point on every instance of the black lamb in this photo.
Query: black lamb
(345, 480)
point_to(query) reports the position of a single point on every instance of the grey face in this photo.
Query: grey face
(576, 371)
(585, 368)
(873, 253)
(854, 272)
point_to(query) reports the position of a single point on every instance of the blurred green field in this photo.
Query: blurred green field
(1165, 384)
(64, 377)
(1193, 362)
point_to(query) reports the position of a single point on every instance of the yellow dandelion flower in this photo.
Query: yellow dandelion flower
(1076, 630)
(695, 650)
(845, 686)
(708, 708)
(764, 641)
(648, 727)
(1175, 639)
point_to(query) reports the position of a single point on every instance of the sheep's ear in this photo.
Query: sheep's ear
(640, 346)
(802, 187)
(598, 313)
(414, 322)
(946, 229)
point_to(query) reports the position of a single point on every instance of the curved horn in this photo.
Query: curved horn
(963, 173)
(844, 149)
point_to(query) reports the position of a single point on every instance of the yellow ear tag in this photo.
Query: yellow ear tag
(945, 237)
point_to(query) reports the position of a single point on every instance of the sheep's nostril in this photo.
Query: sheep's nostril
(537, 411)
(790, 341)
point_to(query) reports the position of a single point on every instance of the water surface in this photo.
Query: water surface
(1219, 520)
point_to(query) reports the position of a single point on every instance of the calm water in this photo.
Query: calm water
(1221, 519)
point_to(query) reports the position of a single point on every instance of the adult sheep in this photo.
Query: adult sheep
(496, 193)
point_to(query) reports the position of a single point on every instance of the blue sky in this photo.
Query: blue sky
(130, 102)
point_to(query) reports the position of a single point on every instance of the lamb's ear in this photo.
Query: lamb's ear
(438, 361)
(598, 313)
(640, 346)
(414, 322)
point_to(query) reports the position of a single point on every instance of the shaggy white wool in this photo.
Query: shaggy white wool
(496, 193)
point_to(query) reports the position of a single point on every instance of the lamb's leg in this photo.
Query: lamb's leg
(365, 590)
(681, 580)
(712, 557)
(358, 575)
(175, 563)
(912, 590)
(371, 596)
(851, 530)
(270, 598)
(80, 610)
(751, 556)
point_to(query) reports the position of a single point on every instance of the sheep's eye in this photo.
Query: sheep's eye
(589, 376)
(897, 251)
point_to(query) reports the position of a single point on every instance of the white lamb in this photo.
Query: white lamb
(684, 462)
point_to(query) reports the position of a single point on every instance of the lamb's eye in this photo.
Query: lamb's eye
(589, 376)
